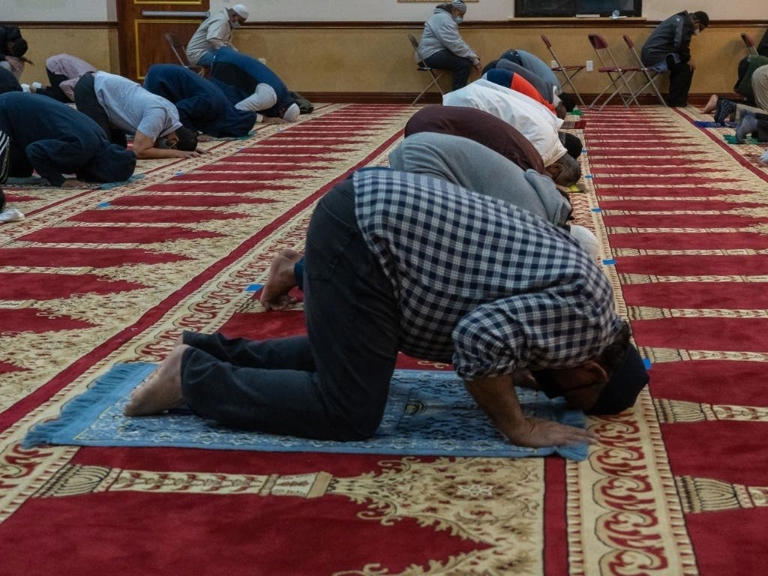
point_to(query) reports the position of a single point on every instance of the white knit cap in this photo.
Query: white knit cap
(241, 11)
(459, 5)
(292, 113)
(586, 240)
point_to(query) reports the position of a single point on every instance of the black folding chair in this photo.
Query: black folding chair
(422, 67)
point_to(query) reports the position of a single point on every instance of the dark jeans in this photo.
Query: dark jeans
(86, 102)
(330, 384)
(447, 60)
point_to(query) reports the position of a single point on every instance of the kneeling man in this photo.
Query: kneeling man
(54, 139)
(418, 265)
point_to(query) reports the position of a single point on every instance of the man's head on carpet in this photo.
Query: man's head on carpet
(182, 139)
(607, 384)
(565, 170)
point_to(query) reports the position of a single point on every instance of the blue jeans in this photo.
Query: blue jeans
(330, 384)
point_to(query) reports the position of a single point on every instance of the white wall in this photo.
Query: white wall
(391, 10)
(57, 10)
(355, 10)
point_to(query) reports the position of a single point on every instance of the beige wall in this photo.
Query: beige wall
(350, 59)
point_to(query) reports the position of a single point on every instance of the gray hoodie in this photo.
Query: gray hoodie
(442, 33)
(480, 169)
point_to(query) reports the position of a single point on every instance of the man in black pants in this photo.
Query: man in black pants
(407, 262)
(669, 48)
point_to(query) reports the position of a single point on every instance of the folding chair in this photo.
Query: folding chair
(749, 44)
(650, 74)
(566, 71)
(180, 51)
(422, 67)
(618, 75)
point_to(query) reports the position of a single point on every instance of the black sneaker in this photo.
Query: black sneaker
(725, 109)
(5, 153)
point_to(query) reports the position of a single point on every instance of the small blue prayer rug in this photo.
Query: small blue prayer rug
(429, 413)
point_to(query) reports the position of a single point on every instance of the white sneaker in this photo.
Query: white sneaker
(764, 157)
(36, 86)
(25, 88)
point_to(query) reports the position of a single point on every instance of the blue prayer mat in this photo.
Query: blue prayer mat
(428, 413)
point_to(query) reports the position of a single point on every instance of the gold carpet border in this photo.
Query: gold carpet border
(624, 515)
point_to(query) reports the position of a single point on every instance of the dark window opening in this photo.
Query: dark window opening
(561, 8)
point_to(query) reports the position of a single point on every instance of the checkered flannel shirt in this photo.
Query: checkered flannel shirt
(482, 283)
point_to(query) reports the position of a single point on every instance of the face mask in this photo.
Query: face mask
(697, 31)
(458, 19)
(236, 24)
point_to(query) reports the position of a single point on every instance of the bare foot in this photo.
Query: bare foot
(711, 104)
(274, 295)
(162, 390)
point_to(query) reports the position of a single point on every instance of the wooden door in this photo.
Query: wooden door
(141, 28)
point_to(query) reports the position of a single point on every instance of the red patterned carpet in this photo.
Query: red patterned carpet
(96, 277)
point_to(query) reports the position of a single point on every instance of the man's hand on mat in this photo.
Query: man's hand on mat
(537, 433)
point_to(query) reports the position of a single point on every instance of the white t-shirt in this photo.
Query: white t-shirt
(530, 118)
(133, 109)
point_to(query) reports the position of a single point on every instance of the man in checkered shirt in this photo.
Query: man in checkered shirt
(407, 262)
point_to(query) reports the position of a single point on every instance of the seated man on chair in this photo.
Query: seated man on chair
(442, 47)
(214, 33)
(669, 48)
(251, 85)
(202, 106)
(54, 139)
(121, 107)
(389, 255)
(529, 117)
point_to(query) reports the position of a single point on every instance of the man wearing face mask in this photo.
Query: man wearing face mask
(441, 44)
(214, 33)
(668, 48)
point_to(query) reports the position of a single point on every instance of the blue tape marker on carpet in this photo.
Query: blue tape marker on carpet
(253, 287)
(610, 262)
(428, 413)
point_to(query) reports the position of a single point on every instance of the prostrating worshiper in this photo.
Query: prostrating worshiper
(251, 85)
(215, 32)
(518, 83)
(725, 109)
(460, 161)
(121, 107)
(64, 71)
(8, 82)
(202, 106)
(481, 127)
(54, 139)
(669, 48)
(755, 124)
(12, 49)
(533, 120)
(418, 265)
(442, 47)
